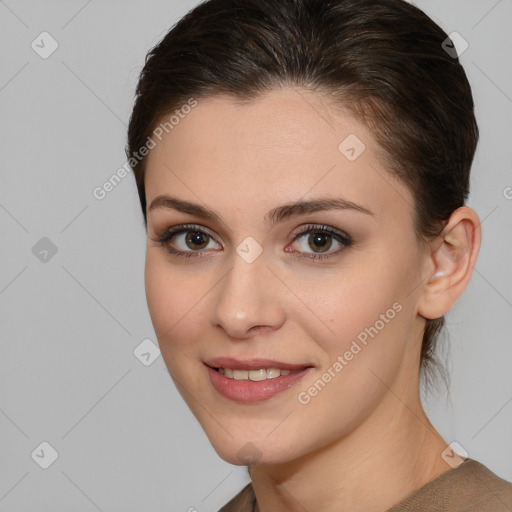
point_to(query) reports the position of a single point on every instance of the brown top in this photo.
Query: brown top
(470, 487)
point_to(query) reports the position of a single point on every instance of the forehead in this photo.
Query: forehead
(281, 146)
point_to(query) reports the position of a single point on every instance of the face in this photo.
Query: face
(281, 273)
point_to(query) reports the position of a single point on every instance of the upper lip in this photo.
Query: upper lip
(252, 364)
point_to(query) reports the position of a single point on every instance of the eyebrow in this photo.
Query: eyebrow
(274, 216)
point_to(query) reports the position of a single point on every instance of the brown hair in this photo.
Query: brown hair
(382, 59)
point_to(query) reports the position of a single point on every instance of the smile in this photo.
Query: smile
(254, 375)
(253, 380)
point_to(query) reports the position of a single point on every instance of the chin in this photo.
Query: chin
(250, 446)
(249, 453)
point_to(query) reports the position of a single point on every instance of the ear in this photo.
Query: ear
(452, 256)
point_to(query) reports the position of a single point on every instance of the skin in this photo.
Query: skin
(363, 443)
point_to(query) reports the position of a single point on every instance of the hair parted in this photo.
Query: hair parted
(383, 60)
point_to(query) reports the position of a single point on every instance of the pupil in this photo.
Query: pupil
(320, 241)
(196, 238)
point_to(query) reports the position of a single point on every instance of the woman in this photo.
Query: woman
(303, 168)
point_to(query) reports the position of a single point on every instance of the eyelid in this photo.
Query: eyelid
(166, 234)
(308, 228)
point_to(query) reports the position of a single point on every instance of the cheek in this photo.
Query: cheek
(361, 313)
(346, 303)
(362, 339)
(174, 301)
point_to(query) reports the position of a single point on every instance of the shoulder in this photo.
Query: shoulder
(470, 487)
(244, 501)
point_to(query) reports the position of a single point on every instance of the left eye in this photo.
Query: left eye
(317, 241)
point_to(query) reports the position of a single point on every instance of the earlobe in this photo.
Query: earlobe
(451, 261)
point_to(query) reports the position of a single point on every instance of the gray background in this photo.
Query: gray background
(70, 323)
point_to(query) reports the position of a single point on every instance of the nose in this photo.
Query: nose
(248, 300)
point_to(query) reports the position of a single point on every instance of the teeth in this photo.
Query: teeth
(272, 373)
(258, 375)
(254, 375)
(240, 374)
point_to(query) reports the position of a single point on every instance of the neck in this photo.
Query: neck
(392, 454)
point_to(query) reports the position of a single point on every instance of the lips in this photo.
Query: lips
(253, 380)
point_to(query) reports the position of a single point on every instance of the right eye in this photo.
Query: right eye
(187, 240)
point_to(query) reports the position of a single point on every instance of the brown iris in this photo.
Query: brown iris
(196, 240)
(320, 241)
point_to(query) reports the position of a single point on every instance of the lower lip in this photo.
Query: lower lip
(249, 391)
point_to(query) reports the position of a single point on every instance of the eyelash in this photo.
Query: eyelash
(340, 237)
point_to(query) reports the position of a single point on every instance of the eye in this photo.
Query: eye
(187, 240)
(312, 242)
(316, 242)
